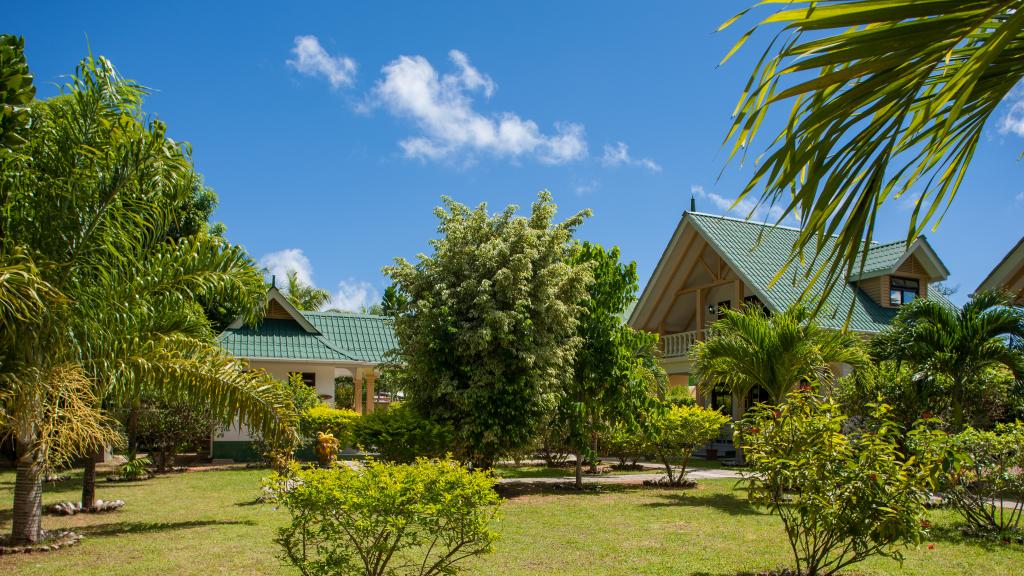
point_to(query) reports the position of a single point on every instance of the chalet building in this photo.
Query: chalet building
(320, 346)
(1008, 275)
(715, 262)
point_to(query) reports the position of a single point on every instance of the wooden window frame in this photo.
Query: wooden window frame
(900, 286)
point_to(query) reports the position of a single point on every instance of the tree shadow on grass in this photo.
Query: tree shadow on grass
(122, 528)
(956, 534)
(513, 490)
(727, 503)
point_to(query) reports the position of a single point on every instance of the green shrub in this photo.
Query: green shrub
(679, 431)
(398, 434)
(984, 482)
(842, 498)
(135, 469)
(338, 422)
(399, 519)
(627, 443)
(680, 396)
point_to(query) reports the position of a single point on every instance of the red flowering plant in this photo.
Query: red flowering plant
(841, 497)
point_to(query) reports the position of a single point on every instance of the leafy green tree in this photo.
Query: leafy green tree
(841, 498)
(610, 383)
(679, 432)
(959, 344)
(169, 427)
(399, 434)
(750, 348)
(120, 297)
(885, 97)
(490, 327)
(303, 296)
(420, 519)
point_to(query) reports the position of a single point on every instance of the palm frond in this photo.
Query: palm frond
(889, 97)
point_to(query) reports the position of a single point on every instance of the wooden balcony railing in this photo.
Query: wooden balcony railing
(680, 344)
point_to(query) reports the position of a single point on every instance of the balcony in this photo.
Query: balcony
(679, 344)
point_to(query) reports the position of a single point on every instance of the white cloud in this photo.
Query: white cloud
(283, 261)
(618, 155)
(312, 60)
(741, 209)
(1013, 121)
(442, 107)
(353, 295)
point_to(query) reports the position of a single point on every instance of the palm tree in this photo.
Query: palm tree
(100, 302)
(885, 96)
(304, 296)
(958, 344)
(749, 348)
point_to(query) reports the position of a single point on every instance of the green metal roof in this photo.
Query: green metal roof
(881, 258)
(758, 251)
(342, 337)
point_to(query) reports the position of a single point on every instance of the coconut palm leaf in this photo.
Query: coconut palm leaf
(885, 98)
(748, 348)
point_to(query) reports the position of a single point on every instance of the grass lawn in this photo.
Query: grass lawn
(207, 523)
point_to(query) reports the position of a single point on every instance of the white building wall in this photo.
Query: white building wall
(325, 374)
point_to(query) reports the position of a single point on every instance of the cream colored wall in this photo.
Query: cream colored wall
(325, 374)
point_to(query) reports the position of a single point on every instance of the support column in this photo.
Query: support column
(357, 389)
(371, 378)
(699, 316)
(739, 295)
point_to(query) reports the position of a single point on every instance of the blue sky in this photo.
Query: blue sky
(330, 131)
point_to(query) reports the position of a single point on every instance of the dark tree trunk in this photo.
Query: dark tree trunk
(89, 481)
(132, 431)
(579, 471)
(28, 499)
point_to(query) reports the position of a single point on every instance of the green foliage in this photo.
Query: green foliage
(842, 498)
(339, 422)
(418, 519)
(399, 434)
(490, 327)
(680, 396)
(303, 296)
(912, 395)
(135, 469)
(611, 377)
(627, 443)
(884, 97)
(279, 450)
(961, 345)
(16, 93)
(679, 431)
(169, 426)
(984, 481)
(749, 348)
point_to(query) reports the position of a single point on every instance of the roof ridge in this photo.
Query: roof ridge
(873, 244)
(344, 314)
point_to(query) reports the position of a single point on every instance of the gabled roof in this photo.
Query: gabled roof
(885, 259)
(1010, 266)
(756, 252)
(319, 336)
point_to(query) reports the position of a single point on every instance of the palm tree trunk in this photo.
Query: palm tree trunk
(28, 498)
(89, 481)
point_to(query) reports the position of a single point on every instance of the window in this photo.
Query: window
(308, 378)
(903, 291)
(723, 305)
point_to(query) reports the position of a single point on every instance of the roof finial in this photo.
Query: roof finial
(693, 202)
(273, 281)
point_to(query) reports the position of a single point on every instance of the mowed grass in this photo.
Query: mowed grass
(206, 523)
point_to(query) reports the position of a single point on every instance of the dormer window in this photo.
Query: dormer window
(903, 290)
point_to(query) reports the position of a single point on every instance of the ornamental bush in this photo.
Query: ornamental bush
(842, 498)
(394, 519)
(627, 443)
(338, 422)
(399, 434)
(984, 482)
(679, 431)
